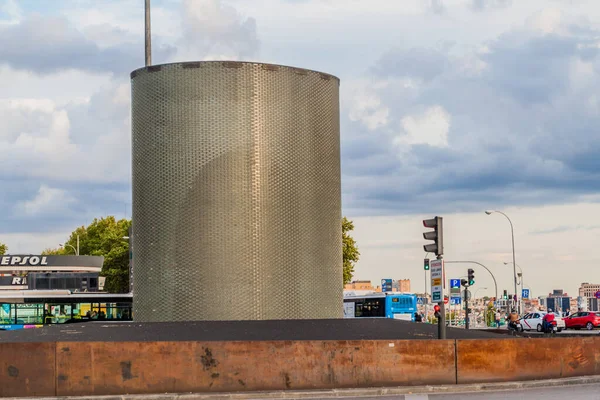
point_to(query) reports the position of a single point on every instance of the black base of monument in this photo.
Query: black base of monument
(329, 329)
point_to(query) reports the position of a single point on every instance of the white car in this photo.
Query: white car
(533, 321)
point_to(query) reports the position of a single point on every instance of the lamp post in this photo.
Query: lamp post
(71, 246)
(147, 34)
(512, 234)
(519, 275)
(480, 264)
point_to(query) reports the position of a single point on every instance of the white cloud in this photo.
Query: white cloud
(87, 140)
(214, 30)
(548, 20)
(12, 12)
(367, 108)
(430, 128)
(48, 200)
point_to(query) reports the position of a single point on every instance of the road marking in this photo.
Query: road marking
(416, 397)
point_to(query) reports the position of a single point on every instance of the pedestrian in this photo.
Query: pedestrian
(498, 316)
(418, 317)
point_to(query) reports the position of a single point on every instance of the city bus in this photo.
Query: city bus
(26, 309)
(380, 305)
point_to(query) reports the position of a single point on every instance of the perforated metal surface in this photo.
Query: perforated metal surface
(236, 192)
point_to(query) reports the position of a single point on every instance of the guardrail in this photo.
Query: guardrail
(113, 368)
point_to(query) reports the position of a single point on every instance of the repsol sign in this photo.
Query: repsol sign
(13, 281)
(51, 262)
(18, 261)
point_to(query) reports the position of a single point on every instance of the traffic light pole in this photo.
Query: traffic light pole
(466, 308)
(442, 318)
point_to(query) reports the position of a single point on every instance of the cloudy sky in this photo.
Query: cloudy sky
(449, 107)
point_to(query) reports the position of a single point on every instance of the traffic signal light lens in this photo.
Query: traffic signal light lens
(426, 264)
(471, 274)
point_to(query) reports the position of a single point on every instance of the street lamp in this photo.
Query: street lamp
(478, 289)
(480, 264)
(520, 275)
(68, 245)
(74, 249)
(512, 234)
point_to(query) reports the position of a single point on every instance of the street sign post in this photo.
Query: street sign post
(455, 301)
(525, 294)
(437, 281)
(386, 285)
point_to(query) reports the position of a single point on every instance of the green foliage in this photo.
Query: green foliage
(490, 315)
(350, 251)
(103, 237)
(3, 249)
(59, 251)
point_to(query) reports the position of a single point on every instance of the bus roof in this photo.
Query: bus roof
(59, 294)
(370, 293)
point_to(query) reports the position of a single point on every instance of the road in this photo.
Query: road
(571, 392)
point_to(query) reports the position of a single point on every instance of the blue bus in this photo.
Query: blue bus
(380, 305)
(29, 309)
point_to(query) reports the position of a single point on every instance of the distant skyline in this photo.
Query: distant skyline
(448, 107)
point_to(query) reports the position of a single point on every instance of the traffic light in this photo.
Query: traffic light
(505, 296)
(426, 264)
(464, 282)
(437, 247)
(471, 275)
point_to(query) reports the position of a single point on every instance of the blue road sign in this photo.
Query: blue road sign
(525, 294)
(455, 300)
(454, 283)
(419, 301)
(386, 285)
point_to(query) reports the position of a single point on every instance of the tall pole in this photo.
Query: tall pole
(148, 42)
(425, 297)
(512, 234)
(466, 308)
(77, 244)
(442, 319)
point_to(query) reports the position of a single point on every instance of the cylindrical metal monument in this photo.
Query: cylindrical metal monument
(236, 192)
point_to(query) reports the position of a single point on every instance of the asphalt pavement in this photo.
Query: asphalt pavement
(579, 392)
(577, 388)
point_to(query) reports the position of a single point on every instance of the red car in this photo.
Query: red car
(584, 319)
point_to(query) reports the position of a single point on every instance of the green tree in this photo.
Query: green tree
(3, 249)
(103, 237)
(350, 250)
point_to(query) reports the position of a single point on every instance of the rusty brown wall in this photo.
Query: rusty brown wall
(96, 368)
(159, 367)
(27, 369)
(526, 359)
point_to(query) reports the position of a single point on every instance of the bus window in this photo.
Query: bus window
(370, 308)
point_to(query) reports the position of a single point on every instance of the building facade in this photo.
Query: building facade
(588, 289)
(401, 285)
(236, 192)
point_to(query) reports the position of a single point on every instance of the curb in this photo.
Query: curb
(338, 393)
